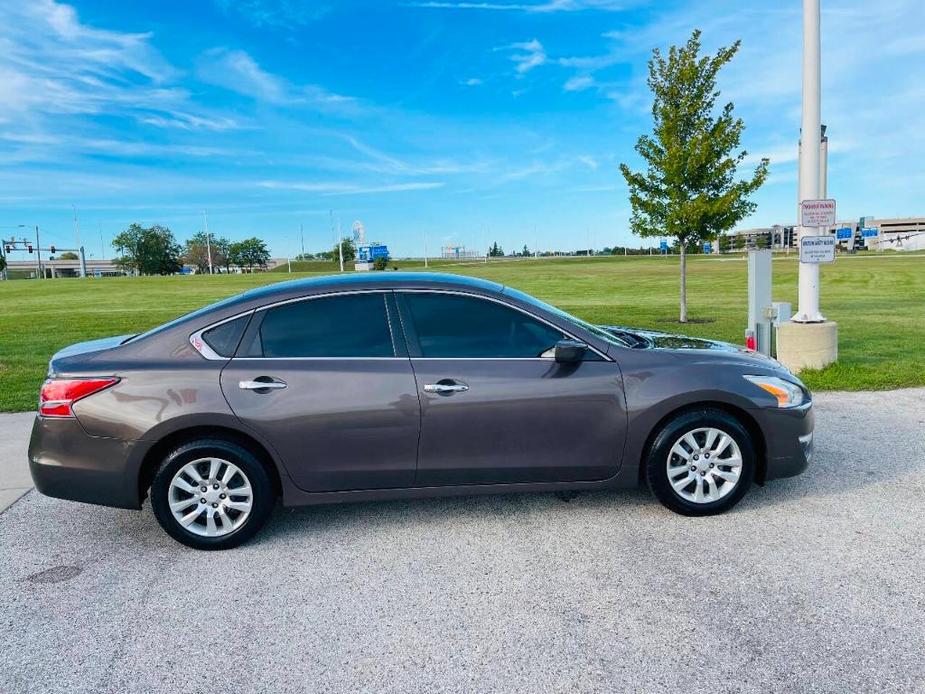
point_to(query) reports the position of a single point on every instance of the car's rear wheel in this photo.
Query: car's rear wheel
(211, 494)
(701, 463)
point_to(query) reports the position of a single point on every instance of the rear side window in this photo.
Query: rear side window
(450, 325)
(224, 338)
(354, 325)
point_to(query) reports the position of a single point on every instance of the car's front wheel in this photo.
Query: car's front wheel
(701, 463)
(211, 494)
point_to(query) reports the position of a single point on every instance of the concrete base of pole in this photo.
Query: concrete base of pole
(807, 345)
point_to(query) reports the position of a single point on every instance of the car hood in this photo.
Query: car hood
(698, 346)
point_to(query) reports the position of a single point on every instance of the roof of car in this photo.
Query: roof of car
(370, 280)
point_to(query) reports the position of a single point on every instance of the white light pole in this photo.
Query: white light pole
(808, 340)
(82, 271)
(205, 224)
(808, 310)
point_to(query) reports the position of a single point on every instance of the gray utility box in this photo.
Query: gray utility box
(759, 299)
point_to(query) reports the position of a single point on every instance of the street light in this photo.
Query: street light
(808, 340)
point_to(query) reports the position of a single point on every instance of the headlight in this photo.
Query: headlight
(788, 394)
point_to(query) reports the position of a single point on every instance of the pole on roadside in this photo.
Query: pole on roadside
(205, 224)
(809, 178)
(38, 253)
(808, 340)
(340, 245)
(83, 267)
(425, 250)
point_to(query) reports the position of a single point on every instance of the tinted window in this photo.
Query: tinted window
(224, 338)
(449, 325)
(355, 325)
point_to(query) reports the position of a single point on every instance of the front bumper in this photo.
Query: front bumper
(788, 436)
(68, 463)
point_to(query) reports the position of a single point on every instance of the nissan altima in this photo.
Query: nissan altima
(404, 385)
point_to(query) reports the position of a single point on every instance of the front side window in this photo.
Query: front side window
(354, 325)
(453, 326)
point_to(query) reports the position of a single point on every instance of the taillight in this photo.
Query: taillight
(58, 395)
(751, 343)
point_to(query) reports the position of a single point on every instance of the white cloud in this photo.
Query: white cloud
(539, 7)
(275, 13)
(53, 65)
(589, 161)
(237, 71)
(530, 55)
(472, 82)
(337, 188)
(578, 83)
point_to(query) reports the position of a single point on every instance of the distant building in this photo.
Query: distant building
(897, 233)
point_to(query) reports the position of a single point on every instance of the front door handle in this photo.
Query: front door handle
(446, 387)
(262, 384)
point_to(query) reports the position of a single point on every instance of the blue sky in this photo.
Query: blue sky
(465, 122)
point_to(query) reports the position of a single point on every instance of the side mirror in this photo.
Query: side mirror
(570, 351)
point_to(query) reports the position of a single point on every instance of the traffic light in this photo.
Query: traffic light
(29, 247)
(52, 248)
(7, 249)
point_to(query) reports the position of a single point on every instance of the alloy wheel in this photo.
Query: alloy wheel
(211, 497)
(704, 465)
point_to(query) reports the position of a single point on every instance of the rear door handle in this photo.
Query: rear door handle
(263, 383)
(445, 387)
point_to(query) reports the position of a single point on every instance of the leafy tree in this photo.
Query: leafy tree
(689, 190)
(249, 253)
(221, 247)
(197, 252)
(68, 255)
(495, 251)
(525, 252)
(347, 249)
(381, 263)
(148, 250)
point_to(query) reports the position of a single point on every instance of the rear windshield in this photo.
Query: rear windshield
(186, 318)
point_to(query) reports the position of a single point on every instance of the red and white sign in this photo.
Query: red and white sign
(817, 213)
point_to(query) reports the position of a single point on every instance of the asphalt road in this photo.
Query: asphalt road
(811, 584)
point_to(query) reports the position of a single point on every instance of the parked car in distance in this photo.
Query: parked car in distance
(404, 385)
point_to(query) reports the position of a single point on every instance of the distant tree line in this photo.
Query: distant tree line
(155, 251)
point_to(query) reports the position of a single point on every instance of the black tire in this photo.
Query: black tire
(657, 457)
(262, 501)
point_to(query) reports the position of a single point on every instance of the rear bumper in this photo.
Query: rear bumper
(788, 435)
(68, 463)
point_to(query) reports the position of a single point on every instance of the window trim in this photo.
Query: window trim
(403, 337)
(210, 354)
(415, 346)
(200, 345)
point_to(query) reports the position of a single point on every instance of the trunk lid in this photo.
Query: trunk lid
(71, 357)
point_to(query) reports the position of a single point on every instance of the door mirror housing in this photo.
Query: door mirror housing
(570, 351)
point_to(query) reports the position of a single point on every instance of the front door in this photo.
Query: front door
(494, 408)
(323, 381)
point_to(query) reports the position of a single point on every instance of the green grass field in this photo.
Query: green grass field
(878, 301)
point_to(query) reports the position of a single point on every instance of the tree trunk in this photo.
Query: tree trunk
(683, 283)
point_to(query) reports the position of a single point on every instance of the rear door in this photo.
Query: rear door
(325, 382)
(496, 407)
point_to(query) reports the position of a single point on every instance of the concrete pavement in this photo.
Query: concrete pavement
(811, 584)
(14, 466)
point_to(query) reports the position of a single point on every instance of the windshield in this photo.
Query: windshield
(595, 330)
